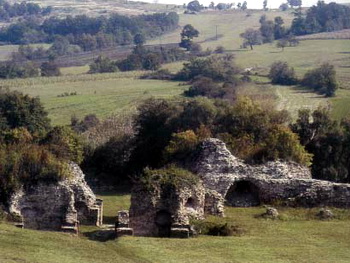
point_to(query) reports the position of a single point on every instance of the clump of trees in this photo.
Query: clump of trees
(8, 11)
(90, 33)
(328, 141)
(322, 18)
(281, 73)
(218, 68)
(322, 79)
(31, 151)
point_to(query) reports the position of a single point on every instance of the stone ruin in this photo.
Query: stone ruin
(166, 211)
(227, 179)
(245, 185)
(58, 206)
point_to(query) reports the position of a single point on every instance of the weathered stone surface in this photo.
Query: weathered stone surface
(123, 218)
(51, 206)
(155, 212)
(325, 214)
(244, 185)
(271, 212)
(214, 203)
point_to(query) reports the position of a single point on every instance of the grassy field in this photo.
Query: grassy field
(296, 237)
(101, 94)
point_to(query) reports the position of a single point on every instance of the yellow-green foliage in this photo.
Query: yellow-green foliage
(25, 164)
(169, 177)
(181, 145)
(282, 143)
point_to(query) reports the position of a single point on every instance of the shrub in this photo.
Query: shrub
(170, 177)
(215, 226)
(281, 73)
(218, 68)
(103, 65)
(322, 79)
(49, 69)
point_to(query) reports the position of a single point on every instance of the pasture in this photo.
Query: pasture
(297, 236)
(100, 94)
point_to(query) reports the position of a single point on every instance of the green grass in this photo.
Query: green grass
(298, 237)
(100, 94)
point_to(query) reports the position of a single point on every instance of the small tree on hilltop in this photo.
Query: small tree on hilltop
(251, 37)
(194, 6)
(295, 3)
(187, 35)
(265, 5)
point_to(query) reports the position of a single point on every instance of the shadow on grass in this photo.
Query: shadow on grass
(100, 235)
(109, 219)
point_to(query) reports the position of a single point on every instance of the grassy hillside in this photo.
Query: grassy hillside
(101, 94)
(296, 237)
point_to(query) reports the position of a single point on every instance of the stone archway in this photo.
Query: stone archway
(243, 194)
(163, 222)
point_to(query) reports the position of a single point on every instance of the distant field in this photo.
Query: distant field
(101, 94)
(341, 34)
(295, 238)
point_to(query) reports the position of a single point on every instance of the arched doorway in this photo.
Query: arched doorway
(163, 222)
(243, 194)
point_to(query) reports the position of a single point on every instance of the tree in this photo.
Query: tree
(295, 3)
(102, 64)
(322, 80)
(244, 6)
(279, 30)
(194, 6)
(139, 39)
(284, 7)
(265, 5)
(49, 69)
(282, 43)
(187, 35)
(18, 110)
(251, 37)
(281, 73)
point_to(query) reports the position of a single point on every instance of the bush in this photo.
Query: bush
(103, 65)
(49, 69)
(218, 68)
(170, 177)
(281, 73)
(322, 79)
(215, 226)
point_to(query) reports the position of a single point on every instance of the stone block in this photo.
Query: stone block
(123, 219)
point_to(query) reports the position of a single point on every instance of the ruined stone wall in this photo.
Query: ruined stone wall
(149, 207)
(51, 206)
(275, 181)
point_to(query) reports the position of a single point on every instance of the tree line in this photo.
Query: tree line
(89, 33)
(8, 11)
